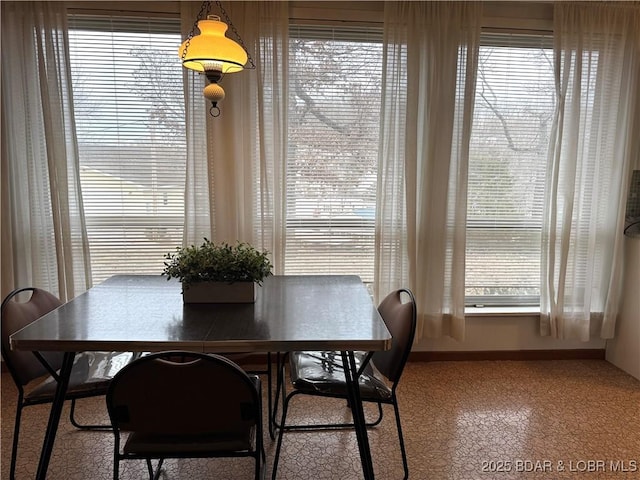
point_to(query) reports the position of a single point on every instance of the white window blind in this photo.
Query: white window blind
(335, 86)
(128, 100)
(513, 113)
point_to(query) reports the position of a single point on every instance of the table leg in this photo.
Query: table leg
(269, 396)
(357, 410)
(54, 415)
(281, 357)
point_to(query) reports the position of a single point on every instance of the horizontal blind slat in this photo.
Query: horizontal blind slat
(515, 98)
(128, 100)
(333, 140)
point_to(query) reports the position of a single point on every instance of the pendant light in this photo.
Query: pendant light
(212, 53)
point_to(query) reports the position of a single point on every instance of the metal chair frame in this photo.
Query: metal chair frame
(23, 398)
(392, 400)
(281, 364)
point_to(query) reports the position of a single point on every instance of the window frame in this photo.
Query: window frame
(154, 210)
(503, 37)
(357, 226)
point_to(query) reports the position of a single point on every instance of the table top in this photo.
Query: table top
(146, 313)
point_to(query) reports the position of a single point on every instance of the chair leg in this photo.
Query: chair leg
(276, 457)
(260, 462)
(154, 475)
(150, 469)
(116, 455)
(159, 469)
(401, 439)
(378, 420)
(80, 426)
(335, 426)
(16, 435)
(375, 423)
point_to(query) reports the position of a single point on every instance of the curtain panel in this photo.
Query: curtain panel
(430, 62)
(597, 53)
(197, 214)
(44, 240)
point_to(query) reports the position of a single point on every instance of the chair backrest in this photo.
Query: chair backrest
(184, 393)
(400, 318)
(15, 315)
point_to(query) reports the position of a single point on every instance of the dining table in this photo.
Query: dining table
(146, 313)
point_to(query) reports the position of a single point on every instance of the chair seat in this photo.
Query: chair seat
(187, 445)
(322, 373)
(91, 373)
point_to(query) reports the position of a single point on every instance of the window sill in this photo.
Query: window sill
(506, 311)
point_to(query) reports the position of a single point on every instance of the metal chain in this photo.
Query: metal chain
(235, 32)
(202, 14)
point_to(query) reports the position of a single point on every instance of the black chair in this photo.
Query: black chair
(321, 373)
(185, 405)
(36, 378)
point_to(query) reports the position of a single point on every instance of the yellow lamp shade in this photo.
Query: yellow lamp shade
(212, 50)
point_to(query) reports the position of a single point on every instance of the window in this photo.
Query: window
(130, 124)
(127, 90)
(335, 83)
(515, 99)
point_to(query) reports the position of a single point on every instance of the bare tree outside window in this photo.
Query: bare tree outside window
(515, 99)
(335, 83)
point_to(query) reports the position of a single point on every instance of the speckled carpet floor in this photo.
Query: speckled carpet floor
(462, 421)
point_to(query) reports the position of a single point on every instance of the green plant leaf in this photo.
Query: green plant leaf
(217, 263)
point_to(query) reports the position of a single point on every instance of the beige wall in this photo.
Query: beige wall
(504, 332)
(624, 350)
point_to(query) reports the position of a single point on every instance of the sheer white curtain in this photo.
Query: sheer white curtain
(597, 50)
(44, 241)
(430, 63)
(198, 208)
(235, 163)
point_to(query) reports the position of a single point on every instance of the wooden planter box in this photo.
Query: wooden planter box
(220, 292)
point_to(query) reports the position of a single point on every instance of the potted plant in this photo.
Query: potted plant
(218, 273)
